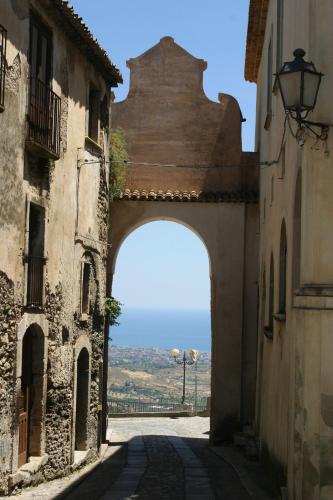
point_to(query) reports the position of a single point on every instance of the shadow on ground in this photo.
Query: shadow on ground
(150, 467)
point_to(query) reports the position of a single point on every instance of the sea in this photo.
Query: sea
(163, 328)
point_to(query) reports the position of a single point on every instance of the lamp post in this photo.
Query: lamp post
(299, 84)
(187, 359)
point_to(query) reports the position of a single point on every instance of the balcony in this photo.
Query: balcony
(35, 281)
(43, 131)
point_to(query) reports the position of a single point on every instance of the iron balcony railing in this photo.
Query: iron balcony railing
(3, 46)
(35, 280)
(44, 118)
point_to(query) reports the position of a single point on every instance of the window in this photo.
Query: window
(65, 335)
(279, 35)
(35, 258)
(40, 56)
(104, 113)
(269, 83)
(283, 270)
(94, 108)
(297, 233)
(85, 289)
(3, 47)
(269, 328)
(272, 190)
(44, 104)
(282, 166)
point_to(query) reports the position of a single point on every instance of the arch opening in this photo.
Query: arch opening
(168, 313)
(31, 394)
(283, 270)
(297, 232)
(82, 400)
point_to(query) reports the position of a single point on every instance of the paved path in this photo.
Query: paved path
(161, 459)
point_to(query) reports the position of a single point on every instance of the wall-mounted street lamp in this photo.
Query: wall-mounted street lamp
(299, 83)
(188, 358)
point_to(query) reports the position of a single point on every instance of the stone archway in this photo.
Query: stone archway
(31, 395)
(186, 165)
(81, 395)
(82, 400)
(221, 227)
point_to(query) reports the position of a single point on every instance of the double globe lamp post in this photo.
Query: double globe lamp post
(188, 358)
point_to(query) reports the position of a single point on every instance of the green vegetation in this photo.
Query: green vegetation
(112, 310)
(118, 159)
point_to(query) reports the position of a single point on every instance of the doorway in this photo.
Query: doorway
(31, 395)
(82, 400)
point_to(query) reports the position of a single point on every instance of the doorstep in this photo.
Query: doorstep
(28, 472)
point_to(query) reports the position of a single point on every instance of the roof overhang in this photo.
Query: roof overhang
(255, 38)
(79, 33)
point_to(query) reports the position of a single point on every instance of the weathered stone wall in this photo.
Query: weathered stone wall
(9, 316)
(75, 198)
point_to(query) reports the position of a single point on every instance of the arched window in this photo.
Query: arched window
(269, 328)
(263, 298)
(297, 232)
(283, 269)
(88, 285)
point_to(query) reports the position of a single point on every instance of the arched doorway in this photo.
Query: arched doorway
(82, 400)
(31, 394)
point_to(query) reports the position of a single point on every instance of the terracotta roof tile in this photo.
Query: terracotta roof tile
(255, 37)
(191, 196)
(80, 34)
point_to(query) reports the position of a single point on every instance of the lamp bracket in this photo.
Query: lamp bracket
(304, 124)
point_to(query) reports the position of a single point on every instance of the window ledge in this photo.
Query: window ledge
(315, 290)
(280, 317)
(92, 146)
(33, 308)
(268, 120)
(84, 317)
(268, 332)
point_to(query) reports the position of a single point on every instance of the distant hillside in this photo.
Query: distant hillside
(153, 374)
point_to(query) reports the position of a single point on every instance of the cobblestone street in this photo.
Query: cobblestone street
(161, 459)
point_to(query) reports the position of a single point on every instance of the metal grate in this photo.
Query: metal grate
(35, 288)
(44, 117)
(3, 47)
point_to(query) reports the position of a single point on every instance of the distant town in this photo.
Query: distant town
(152, 374)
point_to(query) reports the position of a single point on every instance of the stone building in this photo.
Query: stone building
(294, 406)
(54, 132)
(187, 165)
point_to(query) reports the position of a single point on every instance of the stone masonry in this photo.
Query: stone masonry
(54, 201)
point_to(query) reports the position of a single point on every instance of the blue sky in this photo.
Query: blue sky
(164, 265)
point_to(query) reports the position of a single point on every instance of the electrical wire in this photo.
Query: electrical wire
(262, 164)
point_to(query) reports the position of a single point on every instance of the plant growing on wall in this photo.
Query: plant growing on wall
(112, 311)
(118, 161)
